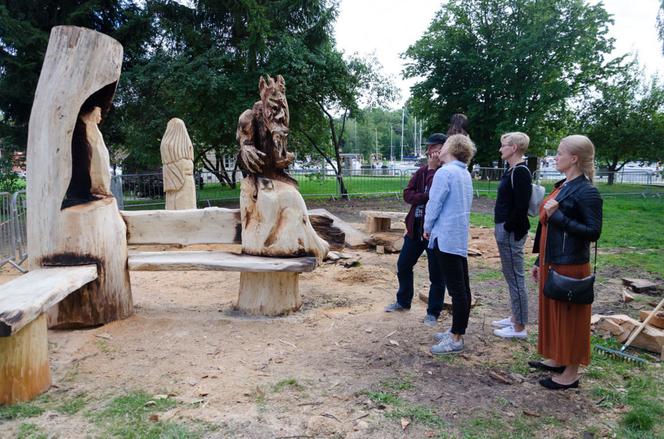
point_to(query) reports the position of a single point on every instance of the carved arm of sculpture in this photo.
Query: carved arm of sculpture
(249, 155)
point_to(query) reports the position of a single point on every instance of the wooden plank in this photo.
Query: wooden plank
(217, 261)
(639, 285)
(213, 225)
(656, 321)
(25, 298)
(399, 216)
(354, 238)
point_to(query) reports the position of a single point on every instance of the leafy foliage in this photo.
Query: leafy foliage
(625, 119)
(508, 64)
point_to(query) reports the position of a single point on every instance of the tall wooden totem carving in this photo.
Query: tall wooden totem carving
(273, 214)
(72, 217)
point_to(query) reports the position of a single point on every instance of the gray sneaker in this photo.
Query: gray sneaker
(440, 336)
(396, 306)
(430, 320)
(447, 346)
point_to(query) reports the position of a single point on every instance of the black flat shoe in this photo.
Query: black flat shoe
(550, 384)
(540, 365)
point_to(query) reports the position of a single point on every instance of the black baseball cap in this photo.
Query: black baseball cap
(436, 139)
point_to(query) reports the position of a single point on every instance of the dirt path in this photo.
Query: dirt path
(327, 371)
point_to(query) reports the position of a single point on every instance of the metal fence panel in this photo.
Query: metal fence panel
(20, 210)
(7, 248)
(146, 190)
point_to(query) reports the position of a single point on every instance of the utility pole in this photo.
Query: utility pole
(402, 128)
(391, 145)
(416, 153)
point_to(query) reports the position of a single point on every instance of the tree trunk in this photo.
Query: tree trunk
(269, 294)
(81, 69)
(24, 371)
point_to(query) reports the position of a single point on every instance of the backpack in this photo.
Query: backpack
(536, 196)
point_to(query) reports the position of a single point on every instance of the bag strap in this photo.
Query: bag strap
(595, 264)
(514, 168)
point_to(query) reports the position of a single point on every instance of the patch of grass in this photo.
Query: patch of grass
(103, 346)
(383, 398)
(287, 383)
(617, 383)
(499, 426)
(481, 220)
(650, 260)
(73, 405)
(397, 384)
(29, 431)
(486, 275)
(128, 417)
(20, 411)
(416, 413)
(400, 408)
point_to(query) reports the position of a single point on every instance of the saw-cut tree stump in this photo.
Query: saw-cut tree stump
(274, 217)
(177, 156)
(269, 294)
(68, 223)
(24, 371)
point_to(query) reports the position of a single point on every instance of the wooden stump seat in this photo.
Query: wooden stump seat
(24, 301)
(377, 221)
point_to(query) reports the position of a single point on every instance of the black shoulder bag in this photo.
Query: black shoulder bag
(569, 289)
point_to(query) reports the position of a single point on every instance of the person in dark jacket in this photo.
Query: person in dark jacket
(511, 231)
(570, 219)
(417, 195)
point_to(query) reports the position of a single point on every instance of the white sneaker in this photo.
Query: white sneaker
(507, 321)
(509, 332)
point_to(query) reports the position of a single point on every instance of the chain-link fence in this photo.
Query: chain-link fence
(12, 229)
(145, 191)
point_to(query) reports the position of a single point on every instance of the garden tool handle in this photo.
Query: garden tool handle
(642, 325)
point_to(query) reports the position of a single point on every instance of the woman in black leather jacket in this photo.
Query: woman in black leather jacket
(570, 219)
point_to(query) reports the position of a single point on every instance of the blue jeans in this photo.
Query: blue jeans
(410, 253)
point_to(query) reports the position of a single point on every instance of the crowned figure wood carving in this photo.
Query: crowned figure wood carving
(273, 213)
(177, 155)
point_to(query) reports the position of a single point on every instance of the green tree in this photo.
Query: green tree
(24, 31)
(507, 64)
(624, 120)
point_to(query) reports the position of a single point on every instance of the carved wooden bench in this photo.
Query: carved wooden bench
(377, 221)
(266, 276)
(24, 367)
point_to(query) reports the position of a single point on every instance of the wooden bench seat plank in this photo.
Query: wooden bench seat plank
(26, 297)
(213, 225)
(217, 261)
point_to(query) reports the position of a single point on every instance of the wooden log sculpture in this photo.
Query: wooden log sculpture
(177, 156)
(72, 218)
(273, 214)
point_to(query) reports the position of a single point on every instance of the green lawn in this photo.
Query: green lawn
(632, 233)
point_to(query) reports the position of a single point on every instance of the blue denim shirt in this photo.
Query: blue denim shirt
(447, 217)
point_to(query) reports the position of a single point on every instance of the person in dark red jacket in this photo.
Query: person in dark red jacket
(417, 194)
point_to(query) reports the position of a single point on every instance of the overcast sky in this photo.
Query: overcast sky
(388, 27)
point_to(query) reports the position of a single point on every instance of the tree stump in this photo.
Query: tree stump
(269, 294)
(69, 221)
(24, 371)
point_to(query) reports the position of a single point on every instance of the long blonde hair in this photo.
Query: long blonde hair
(583, 148)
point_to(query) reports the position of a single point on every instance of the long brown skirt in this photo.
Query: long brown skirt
(564, 328)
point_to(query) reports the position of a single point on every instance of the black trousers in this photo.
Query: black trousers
(410, 253)
(454, 270)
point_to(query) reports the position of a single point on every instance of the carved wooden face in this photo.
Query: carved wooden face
(275, 111)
